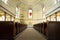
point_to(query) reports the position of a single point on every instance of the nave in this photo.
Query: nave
(30, 34)
(29, 19)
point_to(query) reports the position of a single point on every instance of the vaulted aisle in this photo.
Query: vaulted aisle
(30, 34)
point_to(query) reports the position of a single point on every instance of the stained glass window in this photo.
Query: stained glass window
(30, 14)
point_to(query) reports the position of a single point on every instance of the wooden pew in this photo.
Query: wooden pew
(50, 29)
(53, 30)
(17, 25)
(22, 27)
(41, 28)
(44, 28)
(38, 27)
(7, 30)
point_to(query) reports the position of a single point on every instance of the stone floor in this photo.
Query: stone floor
(30, 34)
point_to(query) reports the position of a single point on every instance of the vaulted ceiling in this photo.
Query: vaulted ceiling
(34, 4)
(37, 4)
(31, 2)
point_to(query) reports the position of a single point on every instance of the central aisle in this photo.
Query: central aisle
(30, 34)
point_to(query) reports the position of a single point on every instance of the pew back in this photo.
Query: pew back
(7, 30)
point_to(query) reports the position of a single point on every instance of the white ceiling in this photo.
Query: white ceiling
(34, 4)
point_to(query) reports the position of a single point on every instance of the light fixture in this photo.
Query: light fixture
(43, 9)
(5, 1)
(55, 1)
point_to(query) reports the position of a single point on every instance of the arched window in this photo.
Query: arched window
(30, 13)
